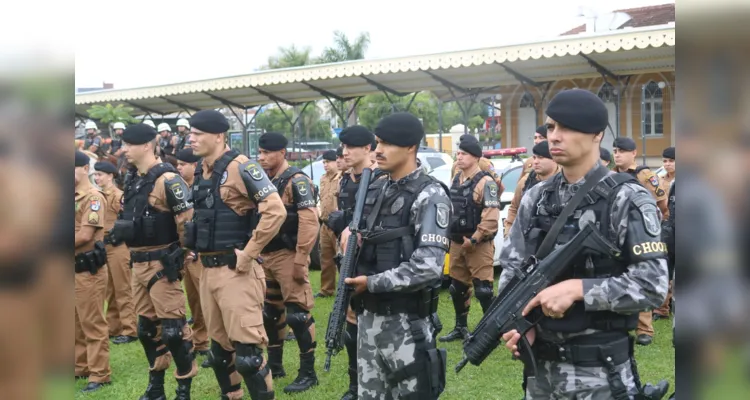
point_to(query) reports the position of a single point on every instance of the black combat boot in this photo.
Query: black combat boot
(460, 332)
(155, 389)
(183, 389)
(306, 377)
(275, 357)
(351, 394)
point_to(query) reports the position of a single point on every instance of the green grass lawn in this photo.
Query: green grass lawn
(498, 377)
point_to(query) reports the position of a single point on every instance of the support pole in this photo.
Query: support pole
(643, 122)
(440, 125)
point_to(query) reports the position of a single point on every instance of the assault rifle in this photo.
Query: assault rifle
(534, 275)
(335, 329)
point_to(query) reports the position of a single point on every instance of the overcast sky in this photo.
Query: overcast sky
(144, 43)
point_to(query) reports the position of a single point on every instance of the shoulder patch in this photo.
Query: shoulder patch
(650, 217)
(302, 192)
(93, 218)
(442, 215)
(95, 204)
(254, 171)
(224, 177)
(654, 180)
(177, 190)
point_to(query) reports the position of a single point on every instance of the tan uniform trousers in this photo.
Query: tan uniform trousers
(166, 300)
(120, 310)
(279, 268)
(92, 342)
(191, 279)
(327, 264)
(473, 263)
(645, 324)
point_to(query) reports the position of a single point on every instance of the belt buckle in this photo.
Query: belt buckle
(566, 355)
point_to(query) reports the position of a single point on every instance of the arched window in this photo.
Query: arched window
(607, 93)
(653, 115)
(527, 101)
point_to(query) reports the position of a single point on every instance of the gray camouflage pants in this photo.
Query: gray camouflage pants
(558, 381)
(385, 344)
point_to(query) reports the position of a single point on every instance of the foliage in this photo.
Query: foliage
(289, 57)
(109, 114)
(311, 126)
(345, 50)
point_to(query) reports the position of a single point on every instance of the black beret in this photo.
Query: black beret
(668, 153)
(400, 129)
(374, 144)
(356, 135)
(81, 159)
(340, 152)
(186, 155)
(605, 155)
(579, 110)
(105, 166)
(272, 141)
(470, 144)
(138, 134)
(542, 130)
(624, 143)
(329, 155)
(210, 121)
(541, 149)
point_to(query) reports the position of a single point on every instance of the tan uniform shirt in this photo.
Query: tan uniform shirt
(526, 169)
(651, 181)
(489, 223)
(114, 198)
(234, 194)
(486, 166)
(307, 233)
(90, 210)
(329, 187)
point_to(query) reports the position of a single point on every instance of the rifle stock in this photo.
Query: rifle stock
(504, 313)
(335, 330)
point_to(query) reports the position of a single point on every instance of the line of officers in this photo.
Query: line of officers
(250, 238)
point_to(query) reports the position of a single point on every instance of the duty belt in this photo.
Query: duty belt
(585, 355)
(219, 260)
(406, 303)
(148, 256)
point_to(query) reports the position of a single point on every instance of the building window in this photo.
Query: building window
(653, 115)
(527, 101)
(607, 93)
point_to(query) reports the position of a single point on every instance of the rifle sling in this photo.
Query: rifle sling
(549, 240)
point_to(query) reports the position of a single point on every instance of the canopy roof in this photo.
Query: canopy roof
(448, 75)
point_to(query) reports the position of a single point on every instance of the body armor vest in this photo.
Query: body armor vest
(287, 236)
(390, 240)
(599, 202)
(115, 145)
(166, 145)
(531, 181)
(152, 227)
(348, 189)
(467, 214)
(218, 227)
(181, 141)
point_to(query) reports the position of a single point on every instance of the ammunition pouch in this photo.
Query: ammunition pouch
(91, 261)
(429, 366)
(123, 231)
(191, 234)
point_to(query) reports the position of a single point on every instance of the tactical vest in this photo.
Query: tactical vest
(287, 236)
(166, 145)
(599, 201)
(348, 189)
(467, 214)
(218, 227)
(152, 227)
(390, 241)
(181, 142)
(115, 145)
(531, 181)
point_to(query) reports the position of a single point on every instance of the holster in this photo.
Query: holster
(429, 366)
(173, 262)
(91, 261)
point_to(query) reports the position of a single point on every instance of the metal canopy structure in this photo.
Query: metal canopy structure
(466, 75)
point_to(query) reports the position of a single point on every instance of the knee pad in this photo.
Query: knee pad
(218, 356)
(482, 289)
(458, 288)
(147, 329)
(221, 362)
(171, 331)
(249, 359)
(300, 321)
(271, 315)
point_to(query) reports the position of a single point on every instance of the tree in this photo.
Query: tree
(289, 57)
(345, 50)
(272, 119)
(376, 106)
(109, 114)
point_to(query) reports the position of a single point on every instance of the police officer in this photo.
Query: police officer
(485, 165)
(115, 148)
(624, 154)
(581, 343)
(668, 161)
(605, 156)
(328, 188)
(356, 142)
(474, 224)
(93, 141)
(183, 133)
(543, 168)
(156, 204)
(120, 309)
(340, 163)
(286, 259)
(540, 135)
(91, 345)
(186, 165)
(237, 213)
(166, 139)
(401, 260)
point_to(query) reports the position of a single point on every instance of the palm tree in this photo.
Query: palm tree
(289, 57)
(110, 114)
(345, 50)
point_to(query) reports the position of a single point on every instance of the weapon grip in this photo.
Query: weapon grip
(522, 326)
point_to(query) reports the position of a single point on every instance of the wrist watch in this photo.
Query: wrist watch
(473, 241)
(259, 259)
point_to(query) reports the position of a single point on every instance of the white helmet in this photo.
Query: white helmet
(164, 127)
(149, 123)
(183, 122)
(118, 125)
(91, 125)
